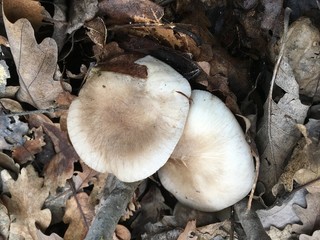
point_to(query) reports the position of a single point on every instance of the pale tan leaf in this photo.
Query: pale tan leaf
(35, 63)
(25, 204)
(79, 214)
(278, 234)
(189, 231)
(315, 236)
(4, 221)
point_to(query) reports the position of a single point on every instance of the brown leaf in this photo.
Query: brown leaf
(79, 214)
(36, 64)
(26, 152)
(53, 236)
(126, 11)
(29, 9)
(122, 233)
(211, 231)
(25, 204)
(189, 231)
(60, 168)
(97, 31)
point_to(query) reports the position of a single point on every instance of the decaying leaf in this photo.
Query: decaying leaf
(4, 75)
(36, 64)
(12, 130)
(283, 234)
(278, 134)
(281, 215)
(25, 205)
(188, 232)
(315, 236)
(304, 165)
(126, 11)
(53, 236)
(309, 216)
(26, 152)
(302, 50)
(79, 214)
(60, 168)
(4, 221)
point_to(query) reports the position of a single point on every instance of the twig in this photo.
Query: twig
(111, 208)
(250, 222)
(275, 73)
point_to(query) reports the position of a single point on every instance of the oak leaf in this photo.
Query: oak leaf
(25, 205)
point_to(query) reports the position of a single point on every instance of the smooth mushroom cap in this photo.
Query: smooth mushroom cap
(211, 167)
(129, 126)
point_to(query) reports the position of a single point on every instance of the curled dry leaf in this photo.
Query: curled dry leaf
(79, 214)
(35, 63)
(25, 205)
(188, 231)
(315, 236)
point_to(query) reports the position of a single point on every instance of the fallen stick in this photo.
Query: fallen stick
(116, 196)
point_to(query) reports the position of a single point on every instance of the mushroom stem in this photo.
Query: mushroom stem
(112, 206)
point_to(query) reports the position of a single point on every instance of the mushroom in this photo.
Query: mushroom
(211, 167)
(127, 125)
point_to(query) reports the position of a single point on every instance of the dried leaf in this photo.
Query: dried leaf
(304, 165)
(79, 214)
(25, 207)
(8, 163)
(315, 236)
(60, 168)
(222, 229)
(53, 236)
(4, 75)
(189, 231)
(309, 216)
(302, 48)
(126, 11)
(278, 134)
(26, 152)
(121, 233)
(12, 131)
(4, 221)
(278, 234)
(29, 9)
(36, 64)
(281, 215)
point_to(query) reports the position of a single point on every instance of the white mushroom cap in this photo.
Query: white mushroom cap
(211, 167)
(126, 125)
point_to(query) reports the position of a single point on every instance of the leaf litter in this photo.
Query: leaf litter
(47, 192)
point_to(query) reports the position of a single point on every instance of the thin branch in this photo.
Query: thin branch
(275, 73)
(112, 206)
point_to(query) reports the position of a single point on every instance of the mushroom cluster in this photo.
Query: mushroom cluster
(132, 127)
